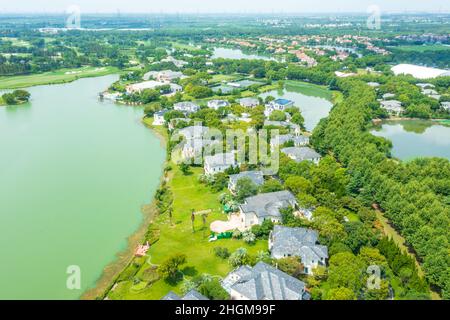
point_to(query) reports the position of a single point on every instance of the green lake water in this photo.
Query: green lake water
(74, 174)
(313, 101)
(412, 139)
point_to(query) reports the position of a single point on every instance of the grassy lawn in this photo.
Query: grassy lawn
(179, 237)
(54, 77)
(422, 48)
(223, 77)
(182, 46)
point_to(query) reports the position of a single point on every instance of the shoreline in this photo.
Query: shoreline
(113, 270)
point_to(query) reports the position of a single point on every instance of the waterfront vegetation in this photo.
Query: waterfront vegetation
(54, 77)
(370, 207)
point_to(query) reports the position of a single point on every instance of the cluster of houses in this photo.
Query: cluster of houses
(265, 282)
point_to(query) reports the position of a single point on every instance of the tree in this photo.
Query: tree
(277, 116)
(290, 265)
(271, 186)
(263, 230)
(245, 188)
(170, 267)
(213, 290)
(239, 257)
(347, 271)
(298, 184)
(341, 293)
(185, 168)
(248, 237)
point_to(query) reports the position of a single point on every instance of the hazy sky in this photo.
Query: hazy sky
(200, 6)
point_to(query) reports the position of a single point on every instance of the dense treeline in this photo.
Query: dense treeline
(414, 195)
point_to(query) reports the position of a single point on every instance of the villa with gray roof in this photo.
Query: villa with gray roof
(263, 282)
(186, 107)
(193, 132)
(249, 102)
(257, 177)
(298, 141)
(298, 242)
(302, 154)
(219, 163)
(277, 105)
(266, 206)
(392, 106)
(216, 104)
(192, 295)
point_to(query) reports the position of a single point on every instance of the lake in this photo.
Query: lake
(74, 175)
(313, 101)
(227, 53)
(415, 138)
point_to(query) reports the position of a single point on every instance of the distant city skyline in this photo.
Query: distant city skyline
(230, 6)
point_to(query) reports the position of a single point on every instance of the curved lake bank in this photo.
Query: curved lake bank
(416, 138)
(75, 173)
(313, 101)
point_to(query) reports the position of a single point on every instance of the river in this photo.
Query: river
(313, 101)
(416, 138)
(74, 175)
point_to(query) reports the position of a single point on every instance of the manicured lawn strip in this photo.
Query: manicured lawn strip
(54, 77)
(179, 238)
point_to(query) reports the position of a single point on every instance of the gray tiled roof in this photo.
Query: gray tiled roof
(221, 159)
(264, 282)
(257, 177)
(193, 132)
(301, 153)
(283, 138)
(190, 296)
(268, 204)
(298, 242)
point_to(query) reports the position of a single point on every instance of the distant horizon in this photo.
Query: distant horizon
(219, 7)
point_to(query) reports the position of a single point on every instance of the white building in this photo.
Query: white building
(419, 72)
(219, 163)
(216, 104)
(302, 154)
(158, 118)
(249, 102)
(186, 107)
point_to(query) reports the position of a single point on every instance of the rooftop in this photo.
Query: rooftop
(268, 204)
(257, 177)
(301, 153)
(264, 282)
(419, 72)
(190, 296)
(298, 242)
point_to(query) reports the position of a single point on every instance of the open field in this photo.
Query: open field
(55, 77)
(179, 237)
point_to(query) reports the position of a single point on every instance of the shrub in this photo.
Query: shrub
(221, 252)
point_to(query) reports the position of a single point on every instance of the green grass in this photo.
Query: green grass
(55, 77)
(223, 77)
(179, 237)
(422, 48)
(182, 46)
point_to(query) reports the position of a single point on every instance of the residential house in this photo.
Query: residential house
(216, 104)
(139, 87)
(249, 102)
(174, 122)
(186, 107)
(266, 206)
(219, 163)
(192, 295)
(394, 107)
(388, 96)
(279, 105)
(298, 242)
(263, 282)
(193, 132)
(445, 105)
(257, 177)
(294, 127)
(373, 84)
(193, 148)
(176, 62)
(158, 118)
(298, 141)
(299, 154)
